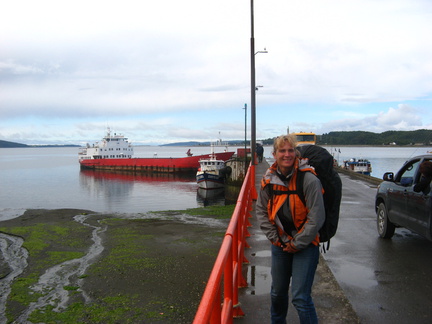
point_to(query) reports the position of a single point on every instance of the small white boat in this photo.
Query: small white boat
(212, 172)
(362, 166)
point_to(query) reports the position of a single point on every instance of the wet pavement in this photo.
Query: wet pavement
(386, 280)
(330, 301)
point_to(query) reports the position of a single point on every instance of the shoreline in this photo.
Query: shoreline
(151, 269)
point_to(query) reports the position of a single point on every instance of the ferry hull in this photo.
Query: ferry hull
(151, 165)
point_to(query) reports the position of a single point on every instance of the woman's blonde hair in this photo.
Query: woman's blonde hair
(281, 140)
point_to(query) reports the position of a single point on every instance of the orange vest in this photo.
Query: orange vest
(298, 210)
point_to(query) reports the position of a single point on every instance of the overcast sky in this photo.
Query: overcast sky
(169, 71)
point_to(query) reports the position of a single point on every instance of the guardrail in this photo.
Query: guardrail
(227, 270)
(364, 177)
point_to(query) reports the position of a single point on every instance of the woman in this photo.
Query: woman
(292, 227)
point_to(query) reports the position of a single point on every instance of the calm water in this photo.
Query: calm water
(51, 178)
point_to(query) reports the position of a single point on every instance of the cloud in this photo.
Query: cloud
(404, 117)
(174, 70)
(9, 68)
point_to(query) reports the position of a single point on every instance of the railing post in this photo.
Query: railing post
(252, 176)
(216, 311)
(229, 287)
(229, 263)
(236, 278)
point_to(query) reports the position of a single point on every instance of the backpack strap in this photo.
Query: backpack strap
(299, 186)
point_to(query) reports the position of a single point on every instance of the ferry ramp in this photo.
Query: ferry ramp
(331, 303)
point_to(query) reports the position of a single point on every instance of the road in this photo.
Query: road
(387, 281)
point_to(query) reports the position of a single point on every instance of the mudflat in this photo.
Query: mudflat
(84, 267)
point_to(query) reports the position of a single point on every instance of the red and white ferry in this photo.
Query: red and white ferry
(115, 153)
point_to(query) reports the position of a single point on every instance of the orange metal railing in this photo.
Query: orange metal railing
(220, 303)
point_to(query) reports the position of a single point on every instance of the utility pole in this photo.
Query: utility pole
(245, 143)
(253, 88)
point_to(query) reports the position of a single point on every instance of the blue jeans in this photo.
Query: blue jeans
(301, 267)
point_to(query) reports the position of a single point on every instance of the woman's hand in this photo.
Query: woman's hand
(290, 247)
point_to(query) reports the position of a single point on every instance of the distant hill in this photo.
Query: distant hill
(6, 144)
(399, 138)
(192, 143)
(11, 144)
(417, 137)
(195, 143)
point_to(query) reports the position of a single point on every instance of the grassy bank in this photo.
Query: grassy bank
(151, 270)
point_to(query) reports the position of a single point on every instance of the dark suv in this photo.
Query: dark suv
(398, 205)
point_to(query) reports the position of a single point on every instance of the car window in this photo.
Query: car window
(407, 174)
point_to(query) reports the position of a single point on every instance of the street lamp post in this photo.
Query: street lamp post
(253, 97)
(245, 143)
(253, 87)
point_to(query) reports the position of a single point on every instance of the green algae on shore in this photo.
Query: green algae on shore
(149, 270)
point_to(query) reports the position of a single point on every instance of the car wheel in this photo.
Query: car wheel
(386, 228)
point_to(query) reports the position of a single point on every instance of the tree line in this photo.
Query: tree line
(417, 137)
